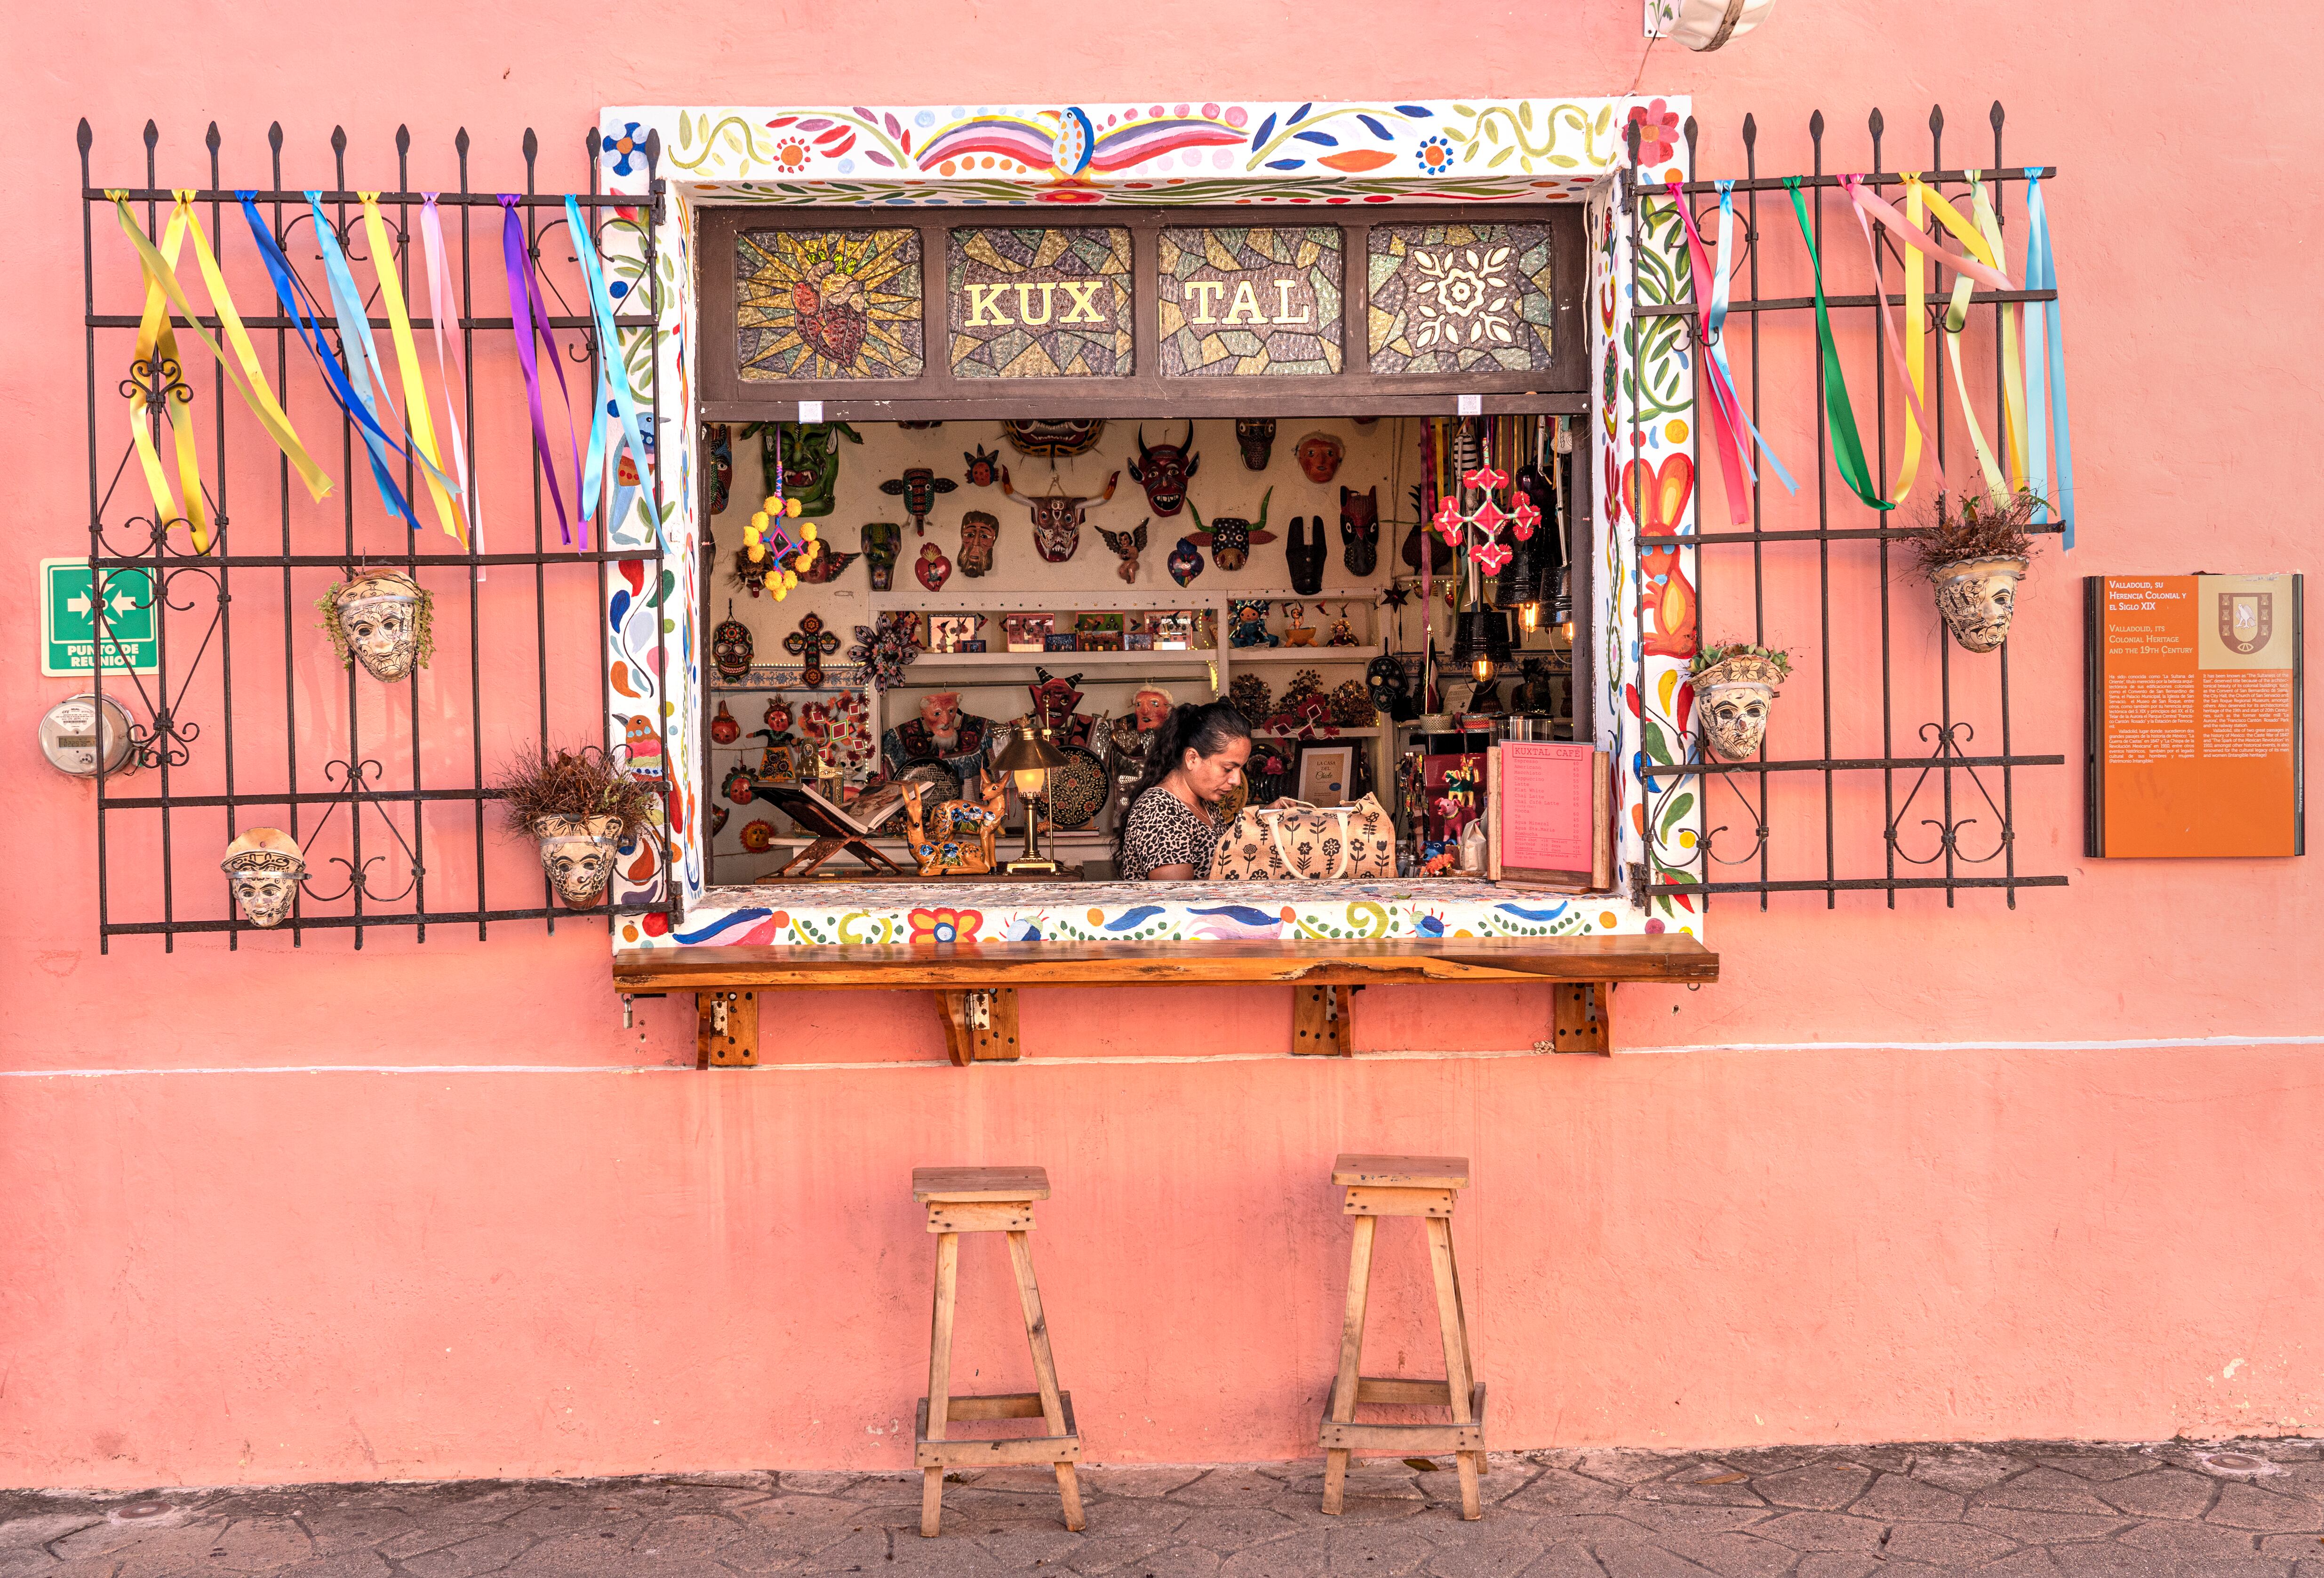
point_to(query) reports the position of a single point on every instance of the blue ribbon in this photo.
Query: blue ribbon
(354, 331)
(1717, 346)
(293, 292)
(2046, 328)
(614, 395)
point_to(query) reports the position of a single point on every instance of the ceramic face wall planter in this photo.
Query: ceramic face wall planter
(1057, 516)
(264, 867)
(1978, 598)
(1255, 437)
(1320, 455)
(980, 533)
(577, 853)
(918, 488)
(731, 646)
(1360, 529)
(382, 622)
(1230, 537)
(881, 541)
(1732, 697)
(1163, 470)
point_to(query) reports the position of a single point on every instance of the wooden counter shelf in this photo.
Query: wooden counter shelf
(976, 984)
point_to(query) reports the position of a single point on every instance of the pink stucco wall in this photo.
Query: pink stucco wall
(1975, 1172)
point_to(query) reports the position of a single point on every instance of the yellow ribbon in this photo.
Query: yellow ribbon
(1916, 348)
(1957, 319)
(157, 334)
(407, 358)
(2013, 365)
(157, 353)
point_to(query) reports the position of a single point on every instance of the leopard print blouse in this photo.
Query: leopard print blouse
(1164, 831)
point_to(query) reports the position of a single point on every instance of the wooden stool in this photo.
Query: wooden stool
(1405, 1185)
(989, 1200)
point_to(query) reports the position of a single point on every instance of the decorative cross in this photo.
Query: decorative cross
(1489, 552)
(810, 644)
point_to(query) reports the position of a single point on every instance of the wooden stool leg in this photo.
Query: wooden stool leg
(1351, 1351)
(1460, 1309)
(1456, 1352)
(939, 1376)
(1045, 1370)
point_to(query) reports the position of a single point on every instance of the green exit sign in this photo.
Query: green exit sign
(70, 594)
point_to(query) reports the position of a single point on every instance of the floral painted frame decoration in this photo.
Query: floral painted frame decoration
(1180, 152)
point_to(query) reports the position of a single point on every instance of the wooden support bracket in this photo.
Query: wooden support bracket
(1322, 1019)
(980, 1025)
(1582, 1016)
(726, 1028)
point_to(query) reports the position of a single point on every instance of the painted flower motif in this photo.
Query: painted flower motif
(945, 926)
(1464, 297)
(1435, 155)
(630, 141)
(1657, 132)
(791, 154)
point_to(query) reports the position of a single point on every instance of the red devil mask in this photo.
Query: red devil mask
(1163, 470)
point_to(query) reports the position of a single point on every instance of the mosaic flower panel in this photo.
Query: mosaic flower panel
(1250, 300)
(1461, 298)
(1039, 303)
(827, 304)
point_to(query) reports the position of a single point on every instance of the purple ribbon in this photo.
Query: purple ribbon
(528, 317)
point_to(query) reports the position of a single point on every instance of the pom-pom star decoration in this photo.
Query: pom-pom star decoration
(1485, 522)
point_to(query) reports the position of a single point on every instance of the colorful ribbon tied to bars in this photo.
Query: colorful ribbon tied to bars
(528, 318)
(443, 316)
(1839, 415)
(157, 357)
(1729, 421)
(613, 396)
(416, 403)
(2046, 364)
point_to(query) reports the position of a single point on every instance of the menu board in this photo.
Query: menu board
(2195, 712)
(1550, 815)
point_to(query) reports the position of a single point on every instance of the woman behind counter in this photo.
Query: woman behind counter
(1171, 827)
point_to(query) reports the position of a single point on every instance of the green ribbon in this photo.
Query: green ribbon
(1847, 444)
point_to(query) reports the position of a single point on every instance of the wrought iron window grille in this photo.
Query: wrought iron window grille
(307, 744)
(1949, 817)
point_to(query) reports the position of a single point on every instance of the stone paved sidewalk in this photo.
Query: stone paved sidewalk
(2060, 1510)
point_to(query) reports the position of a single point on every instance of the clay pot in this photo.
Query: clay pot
(723, 728)
(1732, 699)
(1977, 599)
(264, 867)
(577, 853)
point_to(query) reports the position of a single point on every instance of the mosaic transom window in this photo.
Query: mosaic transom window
(827, 304)
(1040, 303)
(1247, 299)
(1461, 298)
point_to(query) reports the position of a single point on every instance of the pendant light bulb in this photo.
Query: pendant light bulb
(1482, 668)
(1529, 617)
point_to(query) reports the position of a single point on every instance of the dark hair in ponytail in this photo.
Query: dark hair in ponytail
(1205, 730)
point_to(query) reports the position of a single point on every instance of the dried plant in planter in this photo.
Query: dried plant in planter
(1975, 555)
(1734, 689)
(582, 806)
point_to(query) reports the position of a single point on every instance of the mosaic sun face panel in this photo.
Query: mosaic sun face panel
(1250, 300)
(1039, 303)
(1461, 298)
(813, 304)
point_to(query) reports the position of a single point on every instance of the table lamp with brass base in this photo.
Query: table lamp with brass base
(1029, 761)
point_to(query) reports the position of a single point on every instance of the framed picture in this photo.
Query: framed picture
(1138, 641)
(1061, 640)
(1325, 772)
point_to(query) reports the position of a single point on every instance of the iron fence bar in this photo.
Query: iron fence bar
(1928, 178)
(606, 514)
(417, 848)
(1856, 764)
(442, 917)
(1823, 546)
(1875, 884)
(477, 557)
(2000, 398)
(225, 578)
(540, 540)
(298, 796)
(1758, 485)
(1807, 303)
(289, 624)
(1839, 534)
(406, 199)
(1944, 643)
(155, 418)
(347, 513)
(1876, 123)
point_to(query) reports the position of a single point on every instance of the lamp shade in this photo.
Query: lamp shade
(1704, 25)
(1030, 751)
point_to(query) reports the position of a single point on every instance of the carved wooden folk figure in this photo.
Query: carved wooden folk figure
(1163, 470)
(983, 465)
(980, 534)
(1305, 554)
(1186, 561)
(918, 488)
(1126, 546)
(810, 644)
(1057, 515)
(1320, 455)
(882, 539)
(954, 838)
(1360, 529)
(1255, 436)
(1229, 538)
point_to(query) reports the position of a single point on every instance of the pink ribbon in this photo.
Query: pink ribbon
(1853, 185)
(1726, 407)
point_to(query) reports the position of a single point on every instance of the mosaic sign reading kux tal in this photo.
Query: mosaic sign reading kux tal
(1039, 303)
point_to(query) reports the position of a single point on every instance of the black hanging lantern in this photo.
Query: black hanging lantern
(1480, 639)
(731, 646)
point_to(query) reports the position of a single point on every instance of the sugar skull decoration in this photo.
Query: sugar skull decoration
(810, 644)
(718, 476)
(983, 465)
(264, 867)
(1054, 438)
(1255, 437)
(932, 567)
(381, 620)
(1126, 546)
(980, 533)
(1734, 689)
(885, 647)
(881, 542)
(918, 488)
(1163, 470)
(1306, 553)
(1384, 678)
(801, 460)
(1360, 529)
(1186, 561)
(1230, 537)
(1247, 623)
(1320, 455)
(1978, 598)
(1057, 515)
(731, 646)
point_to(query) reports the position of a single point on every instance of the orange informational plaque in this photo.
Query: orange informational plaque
(2195, 715)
